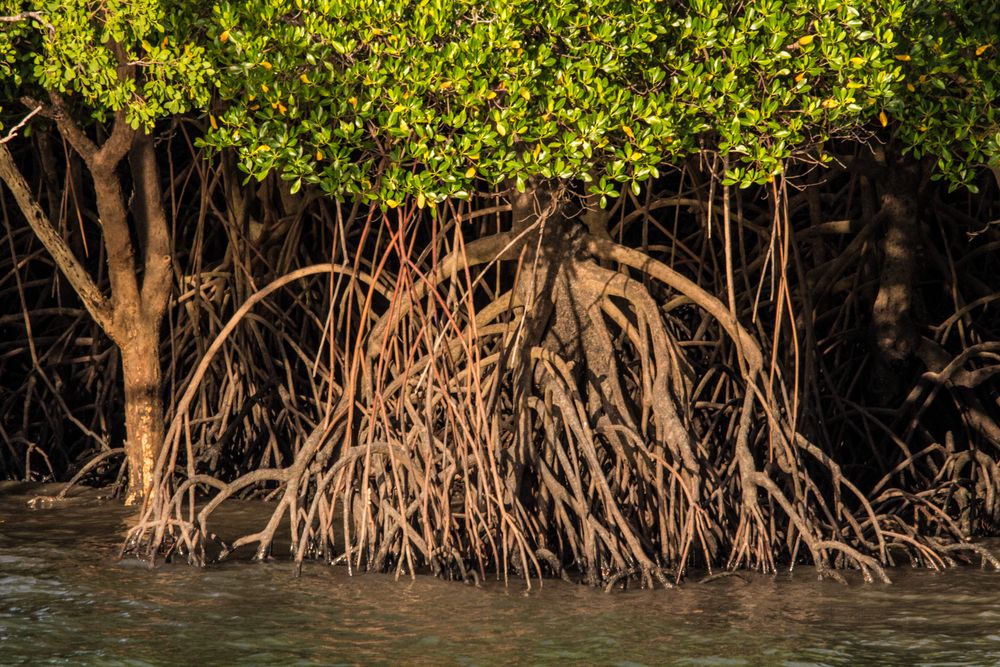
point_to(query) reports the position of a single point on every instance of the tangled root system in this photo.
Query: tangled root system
(528, 385)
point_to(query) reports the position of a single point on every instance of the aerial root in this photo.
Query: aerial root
(514, 434)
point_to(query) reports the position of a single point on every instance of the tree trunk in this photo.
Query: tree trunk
(896, 333)
(141, 375)
(140, 290)
(139, 305)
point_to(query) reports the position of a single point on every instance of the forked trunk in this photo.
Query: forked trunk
(132, 315)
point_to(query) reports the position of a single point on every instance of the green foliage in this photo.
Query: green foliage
(105, 57)
(434, 98)
(430, 98)
(947, 109)
(784, 77)
(8, 55)
(9, 73)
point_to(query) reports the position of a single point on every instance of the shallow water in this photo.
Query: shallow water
(64, 599)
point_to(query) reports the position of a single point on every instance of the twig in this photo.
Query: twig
(12, 133)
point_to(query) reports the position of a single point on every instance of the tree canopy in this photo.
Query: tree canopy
(105, 58)
(436, 98)
(947, 102)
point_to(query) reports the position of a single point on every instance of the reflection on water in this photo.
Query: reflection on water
(64, 599)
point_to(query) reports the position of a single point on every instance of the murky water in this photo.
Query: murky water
(65, 599)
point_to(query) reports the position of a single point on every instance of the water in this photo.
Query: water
(64, 599)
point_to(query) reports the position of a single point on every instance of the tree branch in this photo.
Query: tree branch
(93, 299)
(102, 161)
(24, 121)
(68, 128)
(29, 16)
(118, 144)
(105, 156)
(151, 225)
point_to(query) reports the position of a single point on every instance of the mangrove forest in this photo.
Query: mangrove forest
(616, 291)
